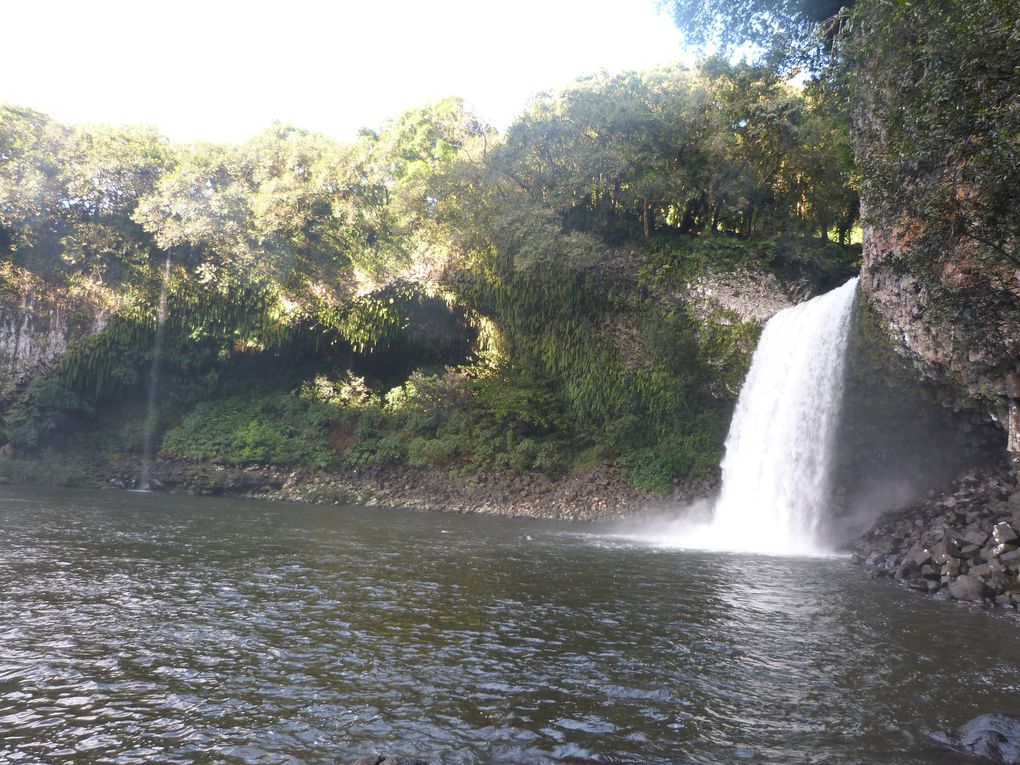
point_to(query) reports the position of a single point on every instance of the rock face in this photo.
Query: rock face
(991, 737)
(37, 324)
(752, 297)
(965, 542)
(897, 438)
(966, 342)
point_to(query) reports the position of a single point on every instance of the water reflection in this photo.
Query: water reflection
(140, 628)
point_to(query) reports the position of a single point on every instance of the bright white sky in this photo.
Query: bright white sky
(222, 70)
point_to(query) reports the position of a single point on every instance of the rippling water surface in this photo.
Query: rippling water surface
(140, 628)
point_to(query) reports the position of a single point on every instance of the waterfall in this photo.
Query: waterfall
(150, 407)
(776, 472)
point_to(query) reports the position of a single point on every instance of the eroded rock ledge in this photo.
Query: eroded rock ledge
(964, 544)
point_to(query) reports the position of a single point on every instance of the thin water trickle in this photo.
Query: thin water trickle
(150, 406)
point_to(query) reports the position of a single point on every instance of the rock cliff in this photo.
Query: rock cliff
(38, 323)
(961, 329)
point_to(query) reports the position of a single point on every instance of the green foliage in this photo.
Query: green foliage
(561, 241)
(658, 467)
(38, 414)
(50, 468)
(724, 148)
(820, 262)
(935, 89)
(432, 452)
(279, 429)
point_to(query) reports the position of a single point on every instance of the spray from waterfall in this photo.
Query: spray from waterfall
(144, 480)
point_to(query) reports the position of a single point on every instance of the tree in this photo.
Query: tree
(791, 32)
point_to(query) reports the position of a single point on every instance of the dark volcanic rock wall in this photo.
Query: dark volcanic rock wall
(960, 335)
(898, 436)
(958, 330)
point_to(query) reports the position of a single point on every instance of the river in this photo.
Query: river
(140, 628)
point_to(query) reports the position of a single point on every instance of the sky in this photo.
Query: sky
(221, 70)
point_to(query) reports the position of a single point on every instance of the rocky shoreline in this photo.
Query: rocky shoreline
(964, 544)
(598, 493)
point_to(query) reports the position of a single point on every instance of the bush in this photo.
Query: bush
(430, 452)
(279, 429)
(40, 411)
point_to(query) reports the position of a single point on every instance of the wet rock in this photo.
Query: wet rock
(994, 737)
(907, 571)
(967, 588)
(970, 551)
(987, 553)
(1003, 532)
(6, 451)
(954, 535)
(975, 537)
(1010, 558)
(945, 550)
(918, 556)
(951, 567)
(981, 571)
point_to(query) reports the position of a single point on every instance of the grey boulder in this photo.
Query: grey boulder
(993, 737)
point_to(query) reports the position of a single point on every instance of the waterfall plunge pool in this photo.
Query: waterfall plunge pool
(138, 628)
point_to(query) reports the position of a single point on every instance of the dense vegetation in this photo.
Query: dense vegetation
(434, 293)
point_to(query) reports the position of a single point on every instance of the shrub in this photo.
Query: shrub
(280, 429)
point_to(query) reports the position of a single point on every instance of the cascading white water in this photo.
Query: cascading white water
(775, 475)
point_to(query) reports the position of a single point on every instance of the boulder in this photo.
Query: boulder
(918, 556)
(993, 737)
(907, 571)
(1011, 558)
(951, 567)
(970, 551)
(1004, 533)
(956, 536)
(968, 588)
(975, 537)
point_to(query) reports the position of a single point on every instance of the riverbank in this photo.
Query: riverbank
(963, 544)
(597, 493)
